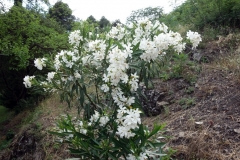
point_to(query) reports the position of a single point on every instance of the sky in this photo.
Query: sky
(113, 9)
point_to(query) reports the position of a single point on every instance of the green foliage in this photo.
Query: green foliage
(91, 19)
(4, 144)
(62, 14)
(189, 90)
(10, 134)
(104, 22)
(151, 13)
(215, 13)
(90, 26)
(180, 66)
(18, 2)
(5, 114)
(99, 143)
(101, 25)
(31, 4)
(187, 102)
(25, 36)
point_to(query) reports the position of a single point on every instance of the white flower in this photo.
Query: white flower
(27, 81)
(40, 63)
(123, 131)
(95, 117)
(130, 101)
(77, 75)
(124, 78)
(80, 123)
(103, 120)
(83, 131)
(105, 88)
(105, 78)
(179, 47)
(50, 76)
(127, 119)
(194, 38)
(142, 156)
(70, 78)
(131, 157)
(74, 38)
(69, 64)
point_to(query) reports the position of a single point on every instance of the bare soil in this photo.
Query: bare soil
(208, 128)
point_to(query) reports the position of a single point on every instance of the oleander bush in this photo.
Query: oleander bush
(102, 75)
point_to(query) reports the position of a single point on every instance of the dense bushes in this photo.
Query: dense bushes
(24, 36)
(214, 13)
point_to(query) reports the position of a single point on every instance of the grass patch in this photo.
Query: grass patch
(5, 114)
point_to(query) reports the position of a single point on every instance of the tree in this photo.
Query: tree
(29, 2)
(62, 14)
(25, 36)
(18, 2)
(149, 12)
(103, 22)
(114, 24)
(91, 19)
(220, 13)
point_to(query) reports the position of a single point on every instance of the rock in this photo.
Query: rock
(237, 130)
(197, 56)
(181, 134)
(149, 101)
(163, 103)
(198, 123)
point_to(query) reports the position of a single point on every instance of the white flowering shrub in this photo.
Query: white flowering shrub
(102, 73)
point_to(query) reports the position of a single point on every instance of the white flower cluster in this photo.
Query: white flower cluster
(142, 156)
(117, 67)
(160, 43)
(117, 32)
(40, 63)
(120, 99)
(134, 82)
(127, 120)
(80, 127)
(75, 38)
(50, 76)
(103, 120)
(97, 47)
(27, 81)
(194, 37)
(65, 58)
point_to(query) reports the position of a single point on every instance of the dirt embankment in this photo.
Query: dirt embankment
(202, 119)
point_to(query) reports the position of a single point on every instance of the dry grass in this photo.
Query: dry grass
(37, 122)
(217, 91)
(51, 110)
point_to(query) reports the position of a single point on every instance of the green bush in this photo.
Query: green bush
(199, 13)
(25, 35)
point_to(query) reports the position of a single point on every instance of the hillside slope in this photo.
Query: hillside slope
(202, 118)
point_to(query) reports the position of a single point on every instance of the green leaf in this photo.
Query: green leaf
(81, 100)
(137, 53)
(155, 130)
(58, 134)
(80, 135)
(136, 47)
(112, 156)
